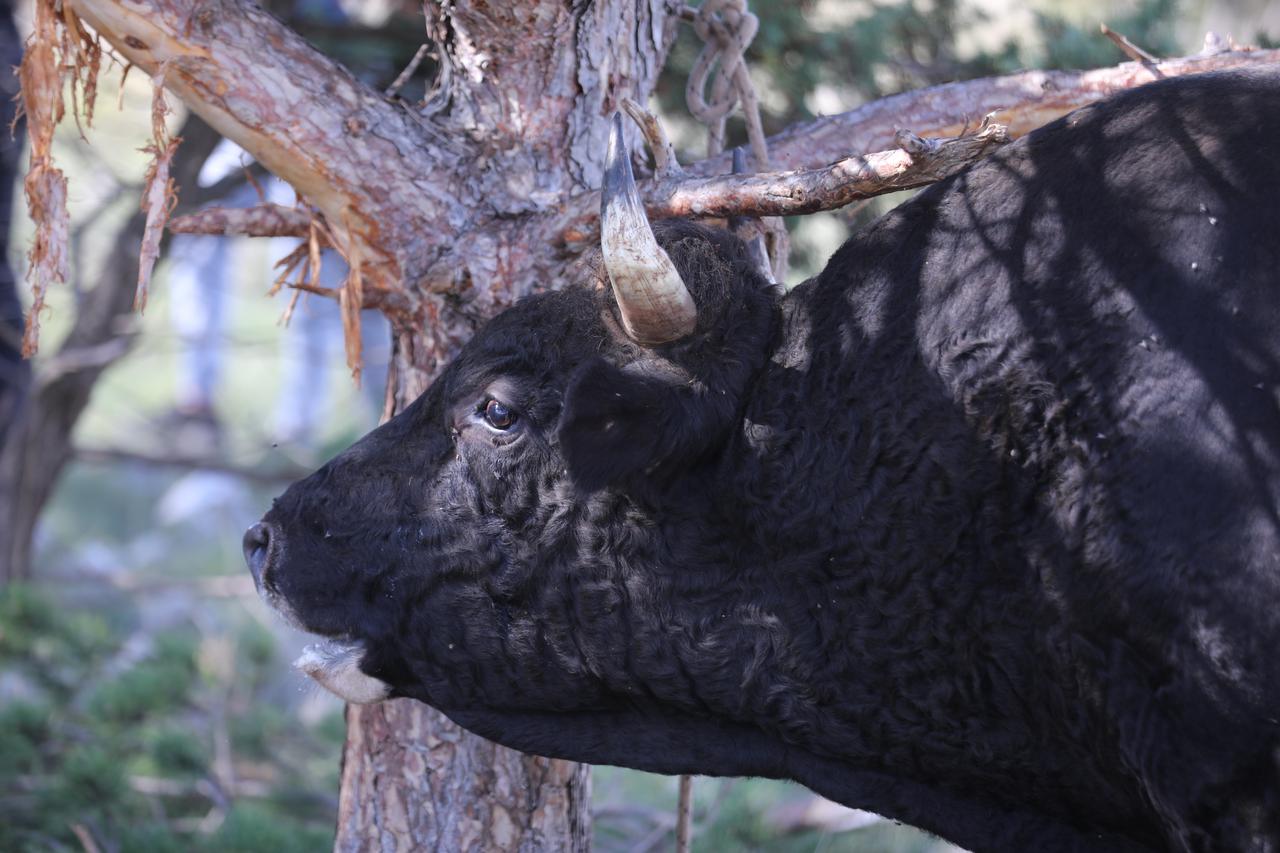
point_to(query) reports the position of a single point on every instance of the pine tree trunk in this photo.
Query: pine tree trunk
(534, 83)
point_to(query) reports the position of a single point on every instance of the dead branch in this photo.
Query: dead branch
(404, 75)
(684, 815)
(274, 475)
(260, 220)
(156, 786)
(809, 191)
(85, 838)
(1127, 47)
(1022, 101)
(68, 361)
(915, 163)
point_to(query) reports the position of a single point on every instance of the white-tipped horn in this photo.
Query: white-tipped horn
(655, 305)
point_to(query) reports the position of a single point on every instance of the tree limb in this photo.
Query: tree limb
(1022, 101)
(916, 163)
(1127, 47)
(260, 220)
(275, 475)
(353, 154)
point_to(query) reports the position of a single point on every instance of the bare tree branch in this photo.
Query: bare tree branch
(351, 152)
(1022, 101)
(274, 475)
(812, 190)
(1127, 47)
(260, 220)
(916, 163)
(684, 815)
(67, 361)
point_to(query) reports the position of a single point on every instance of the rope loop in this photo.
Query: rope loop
(726, 29)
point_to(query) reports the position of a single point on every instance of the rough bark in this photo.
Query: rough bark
(412, 780)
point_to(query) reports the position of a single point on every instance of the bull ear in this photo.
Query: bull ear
(618, 423)
(611, 424)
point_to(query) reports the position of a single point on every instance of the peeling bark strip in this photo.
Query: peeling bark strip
(60, 51)
(158, 194)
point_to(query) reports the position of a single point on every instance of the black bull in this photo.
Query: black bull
(979, 529)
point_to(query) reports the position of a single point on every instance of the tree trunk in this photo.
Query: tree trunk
(533, 85)
(15, 374)
(413, 780)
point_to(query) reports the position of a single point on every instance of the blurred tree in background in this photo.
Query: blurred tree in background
(145, 701)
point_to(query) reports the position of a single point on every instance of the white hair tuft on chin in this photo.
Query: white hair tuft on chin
(336, 666)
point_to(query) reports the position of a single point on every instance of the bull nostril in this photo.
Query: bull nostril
(257, 542)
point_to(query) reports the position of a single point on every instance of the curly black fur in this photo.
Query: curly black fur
(979, 529)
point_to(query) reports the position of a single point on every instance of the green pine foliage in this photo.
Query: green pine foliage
(111, 730)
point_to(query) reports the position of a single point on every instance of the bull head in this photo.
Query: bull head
(655, 305)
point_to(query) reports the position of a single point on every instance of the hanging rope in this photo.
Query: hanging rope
(726, 28)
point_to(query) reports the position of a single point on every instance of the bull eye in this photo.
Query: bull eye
(499, 416)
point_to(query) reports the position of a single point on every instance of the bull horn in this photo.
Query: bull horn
(655, 305)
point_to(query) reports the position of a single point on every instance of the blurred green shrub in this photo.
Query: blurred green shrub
(110, 732)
